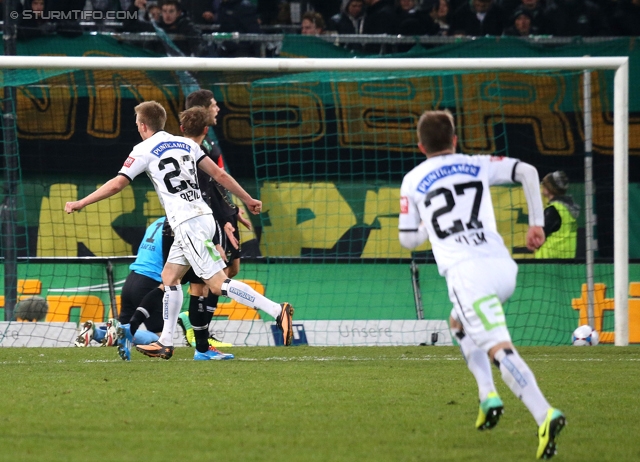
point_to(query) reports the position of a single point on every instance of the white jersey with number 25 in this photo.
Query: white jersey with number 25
(450, 195)
(170, 162)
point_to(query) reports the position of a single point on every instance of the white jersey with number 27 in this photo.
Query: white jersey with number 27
(170, 162)
(450, 195)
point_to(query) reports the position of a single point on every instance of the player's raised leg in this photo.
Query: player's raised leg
(243, 293)
(491, 407)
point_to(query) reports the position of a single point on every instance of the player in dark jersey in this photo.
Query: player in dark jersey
(202, 303)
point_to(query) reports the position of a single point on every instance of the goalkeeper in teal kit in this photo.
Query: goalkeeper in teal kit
(143, 280)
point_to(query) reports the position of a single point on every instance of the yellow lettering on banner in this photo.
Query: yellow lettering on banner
(29, 286)
(602, 114)
(375, 114)
(152, 208)
(293, 112)
(510, 207)
(514, 99)
(381, 210)
(301, 215)
(59, 233)
(106, 88)
(91, 308)
(47, 111)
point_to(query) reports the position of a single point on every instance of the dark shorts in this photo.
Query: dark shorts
(135, 287)
(191, 277)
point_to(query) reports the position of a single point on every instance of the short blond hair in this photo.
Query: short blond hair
(152, 114)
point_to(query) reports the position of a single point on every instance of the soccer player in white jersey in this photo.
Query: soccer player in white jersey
(446, 199)
(170, 162)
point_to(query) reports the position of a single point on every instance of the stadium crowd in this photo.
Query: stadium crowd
(192, 18)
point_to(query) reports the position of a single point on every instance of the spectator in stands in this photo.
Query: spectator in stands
(153, 12)
(381, 19)
(477, 18)
(520, 24)
(32, 24)
(350, 20)
(414, 21)
(535, 7)
(147, 11)
(172, 21)
(312, 23)
(239, 16)
(175, 21)
(439, 12)
(405, 8)
(568, 18)
(626, 18)
(35, 23)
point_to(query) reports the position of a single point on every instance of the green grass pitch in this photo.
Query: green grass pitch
(306, 404)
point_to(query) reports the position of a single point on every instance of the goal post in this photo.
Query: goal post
(620, 66)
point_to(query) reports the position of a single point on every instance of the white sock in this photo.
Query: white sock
(517, 375)
(171, 306)
(242, 293)
(479, 365)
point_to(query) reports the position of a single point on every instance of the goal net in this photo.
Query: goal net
(324, 144)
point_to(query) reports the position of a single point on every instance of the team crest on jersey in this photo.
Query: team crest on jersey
(129, 162)
(445, 171)
(404, 205)
(166, 145)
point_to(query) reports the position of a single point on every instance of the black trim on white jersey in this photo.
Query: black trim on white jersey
(200, 160)
(126, 176)
(513, 173)
(408, 230)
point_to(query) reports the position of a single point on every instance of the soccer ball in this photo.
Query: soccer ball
(32, 309)
(585, 336)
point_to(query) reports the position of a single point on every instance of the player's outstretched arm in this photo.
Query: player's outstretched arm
(527, 175)
(226, 180)
(110, 188)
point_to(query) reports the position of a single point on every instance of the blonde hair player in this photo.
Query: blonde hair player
(446, 199)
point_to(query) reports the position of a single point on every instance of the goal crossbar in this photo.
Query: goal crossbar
(619, 64)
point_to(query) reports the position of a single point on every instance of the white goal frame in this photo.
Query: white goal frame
(620, 112)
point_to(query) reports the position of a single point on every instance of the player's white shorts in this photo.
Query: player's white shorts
(477, 289)
(192, 246)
